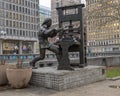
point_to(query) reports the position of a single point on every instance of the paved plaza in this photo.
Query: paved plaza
(96, 89)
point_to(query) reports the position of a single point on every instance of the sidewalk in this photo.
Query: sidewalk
(96, 89)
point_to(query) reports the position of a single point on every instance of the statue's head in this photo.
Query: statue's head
(47, 22)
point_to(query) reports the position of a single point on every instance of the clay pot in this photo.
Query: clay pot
(19, 78)
(3, 76)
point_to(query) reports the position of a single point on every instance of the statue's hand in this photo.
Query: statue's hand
(59, 29)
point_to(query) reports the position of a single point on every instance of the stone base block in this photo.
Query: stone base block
(50, 77)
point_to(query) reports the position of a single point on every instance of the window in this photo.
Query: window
(14, 7)
(14, 32)
(23, 33)
(6, 22)
(11, 32)
(10, 7)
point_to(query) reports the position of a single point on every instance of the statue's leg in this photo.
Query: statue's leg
(56, 50)
(41, 57)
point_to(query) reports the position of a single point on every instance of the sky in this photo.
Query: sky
(48, 4)
(45, 3)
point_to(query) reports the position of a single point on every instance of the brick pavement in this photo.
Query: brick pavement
(96, 89)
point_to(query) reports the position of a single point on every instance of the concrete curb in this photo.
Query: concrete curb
(113, 79)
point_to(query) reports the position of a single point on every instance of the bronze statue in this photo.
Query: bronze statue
(72, 39)
(43, 34)
(44, 44)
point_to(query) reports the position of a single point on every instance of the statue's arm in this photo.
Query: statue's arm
(45, 32)
(49, 32)
(53, 32)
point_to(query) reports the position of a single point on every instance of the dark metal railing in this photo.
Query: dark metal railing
(103, 54)
(16, 56)
(53, 56)
(31, 56)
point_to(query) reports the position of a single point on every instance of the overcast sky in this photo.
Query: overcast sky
(48, 4)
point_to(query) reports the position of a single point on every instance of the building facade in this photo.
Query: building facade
(103, 28)
(45, 12)
(18, 26)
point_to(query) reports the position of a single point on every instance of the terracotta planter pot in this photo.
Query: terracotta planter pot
(19, 78)
(3, 76)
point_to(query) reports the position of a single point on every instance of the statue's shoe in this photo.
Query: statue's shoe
(34, 67)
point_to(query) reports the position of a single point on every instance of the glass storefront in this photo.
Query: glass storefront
(27, 47)
(13, 47)
(37, 47)
(10, 47)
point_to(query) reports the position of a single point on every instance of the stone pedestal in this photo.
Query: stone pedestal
(50, 77)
